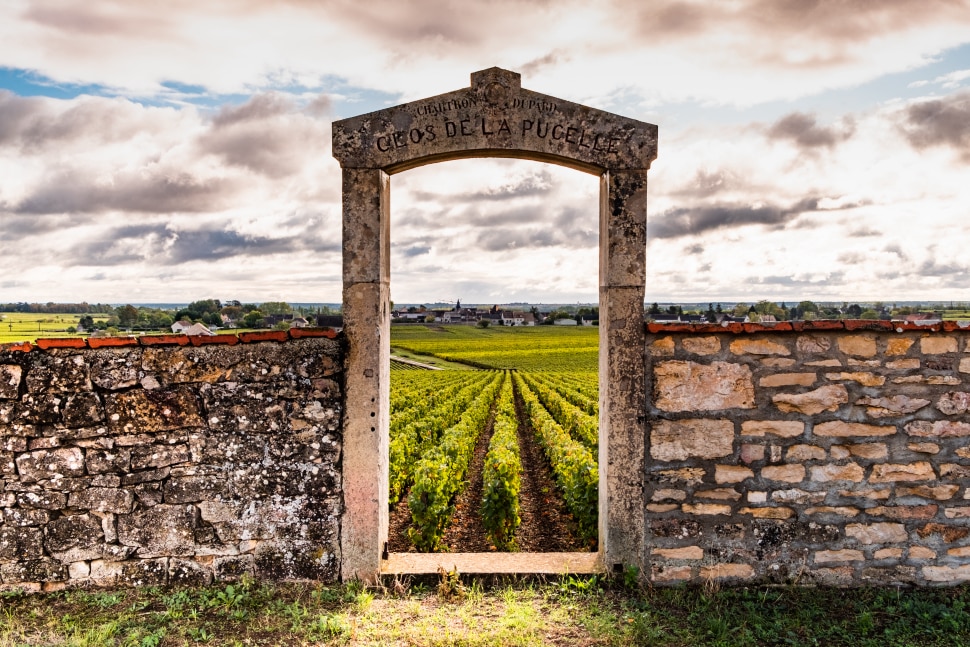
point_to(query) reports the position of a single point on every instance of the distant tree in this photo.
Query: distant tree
(252, 319)
(282, 325)
(711, 315)
(718, 309)
(869, 314)
(212, 319)
(854, 311)
(71, 329)
(482, 323)
(86, 322)
(429, 319)
(740, 309)
(234, 312)
(275, 308)
(127, 315)
(654, 308)
(203, 307)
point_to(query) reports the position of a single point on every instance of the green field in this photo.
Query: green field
(526, 348)
(28, 326)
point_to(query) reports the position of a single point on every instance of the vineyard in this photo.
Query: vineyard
(466, 446)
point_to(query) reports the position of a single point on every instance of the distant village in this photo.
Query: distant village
(495, 316)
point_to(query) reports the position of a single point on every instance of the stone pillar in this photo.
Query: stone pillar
(366, 305)
(623, 244)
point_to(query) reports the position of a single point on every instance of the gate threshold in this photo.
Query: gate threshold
(488, 563)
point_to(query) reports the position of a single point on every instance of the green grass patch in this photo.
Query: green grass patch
(570, 611)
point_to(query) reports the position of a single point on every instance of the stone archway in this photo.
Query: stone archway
(495, 117)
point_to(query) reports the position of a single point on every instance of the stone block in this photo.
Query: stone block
(826, 398)
(731, 473)
(663, 347)
(25, 517)
(100, 499)
(858, 345)
(938, 429)
(964, 365)
(826, 473)
(954, 403)
(10, 375)
(877, 533)
(780, 428)
(667, 574)
(894, 473)
(904, 512)
(56, 373)
(758, 347)
(678, 440)
(757, 496)
(46, 500)
(923, 448)
(21, 543)
(838, 511)
(896, 405)
(948, 533)
(898, 346)
(871, 451)
(34, 570)
(788, 379)
(784, 473)
(50, 464)
(921, 552)
(841, 429)
(797, 497)
(947, 574)
(802, 453)
(863, 378)
(186, 572)
(938, 492)
(685, 475)
(727, 572)
(937, 345)
(904, 364)
(888, 553)
(154, 456)
(75, 538)
(752, 453)
(954, 471)
(718, 494)
(687, 552)
(778, 362)
(960, 551)
(153, 411)
(666, 494)
(845, 555)
(823, 363)
(701, 345)
(660, 508)
(691, 386)
(768, 513)
(100, 461)
(706, 508)
(161, 530)
(962, 512)
(812, 344)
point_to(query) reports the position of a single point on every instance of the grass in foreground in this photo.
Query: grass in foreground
(573, 611)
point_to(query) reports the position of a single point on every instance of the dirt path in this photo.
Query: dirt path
(547, 526)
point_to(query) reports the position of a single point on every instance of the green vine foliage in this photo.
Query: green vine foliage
(440, 474)
(573, 420)
(501, 475)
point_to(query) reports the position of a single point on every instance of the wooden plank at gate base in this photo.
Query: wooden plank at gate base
(513, 563)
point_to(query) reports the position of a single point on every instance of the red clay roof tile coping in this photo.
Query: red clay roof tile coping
(737, 328)
(169, 340)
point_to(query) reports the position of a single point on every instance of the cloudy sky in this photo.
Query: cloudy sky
(808, 148)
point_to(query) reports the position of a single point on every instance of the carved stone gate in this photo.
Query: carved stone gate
(495, 117)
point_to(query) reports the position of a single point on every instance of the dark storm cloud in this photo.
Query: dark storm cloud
(940, 122)
(72, 192)
(160, 243)
(803, 130)
(569, 228)
(697, 220)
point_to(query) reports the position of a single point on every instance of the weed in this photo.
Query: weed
(327, 627)
(450, 586)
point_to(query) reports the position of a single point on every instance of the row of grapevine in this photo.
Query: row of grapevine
(501, 480)
(440, 474)
(573, 420)
(414, 430)
(573, 464)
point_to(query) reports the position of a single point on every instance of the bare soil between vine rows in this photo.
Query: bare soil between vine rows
(546, 527)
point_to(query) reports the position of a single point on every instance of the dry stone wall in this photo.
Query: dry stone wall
(832, 453)
(170, 460)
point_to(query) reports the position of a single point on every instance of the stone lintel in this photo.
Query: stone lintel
(494, 117)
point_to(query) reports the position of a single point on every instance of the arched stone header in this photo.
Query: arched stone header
(495, 117)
